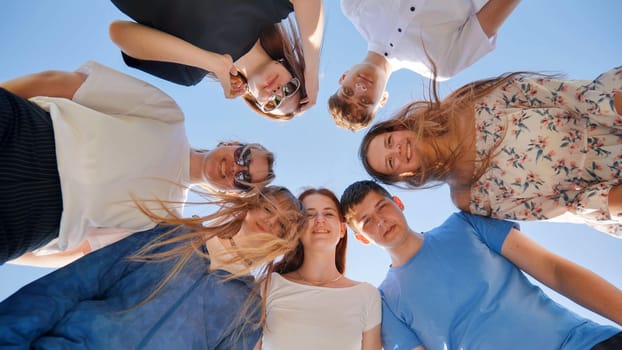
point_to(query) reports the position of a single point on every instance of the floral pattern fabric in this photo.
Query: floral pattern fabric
(556, 150)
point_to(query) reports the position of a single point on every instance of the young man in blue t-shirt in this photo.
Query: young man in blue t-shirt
(460, 285)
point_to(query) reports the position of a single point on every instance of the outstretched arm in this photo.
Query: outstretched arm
(494, 13)
(575, 282)
(53, 260)
(147, 43)
(310, 19)
(48, 83)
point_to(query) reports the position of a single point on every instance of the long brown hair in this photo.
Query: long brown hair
(282, 41)
(294, 259)
(429, 120)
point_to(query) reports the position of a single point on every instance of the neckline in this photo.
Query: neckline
(316, 287)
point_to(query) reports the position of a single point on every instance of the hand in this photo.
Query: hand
(311, 86)
(238, 84)
(227, 73)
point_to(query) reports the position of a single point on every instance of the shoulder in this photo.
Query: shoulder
(280, 285)
(368, 290)
(352, 7)
(461, 197)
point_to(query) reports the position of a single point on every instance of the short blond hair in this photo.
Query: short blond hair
(346, 115)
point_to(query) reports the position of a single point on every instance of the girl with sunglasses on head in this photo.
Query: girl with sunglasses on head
(172, 287)
(243, 44)
(90, 143)
(519, 146)
(310, 303)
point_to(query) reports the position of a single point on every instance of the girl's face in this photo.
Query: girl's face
(395, 153)
(262, 219)
(267, 84)
(324, 229)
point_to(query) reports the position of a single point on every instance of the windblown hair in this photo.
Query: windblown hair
(430, 120)
(293, 260)
(256, 255)
(346, 115)
(356, 193)
(282, 41)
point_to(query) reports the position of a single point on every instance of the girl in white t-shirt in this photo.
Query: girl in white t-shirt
(310, 303)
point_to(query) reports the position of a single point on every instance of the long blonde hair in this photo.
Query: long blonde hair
(430, 120)
(225, 222)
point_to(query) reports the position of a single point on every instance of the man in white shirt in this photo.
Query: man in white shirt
(432, 38)
(114, 139)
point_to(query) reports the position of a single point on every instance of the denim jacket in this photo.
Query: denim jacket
(94, 303)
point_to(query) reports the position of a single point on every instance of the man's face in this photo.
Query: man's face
(379, 220)
(229, 163)
(363, 86)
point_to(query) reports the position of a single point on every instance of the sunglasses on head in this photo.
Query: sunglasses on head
(242, 157)
(287, 90)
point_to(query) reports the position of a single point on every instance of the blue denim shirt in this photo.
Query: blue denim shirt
(92, 304)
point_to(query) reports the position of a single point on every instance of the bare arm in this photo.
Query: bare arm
(310, 19)
(53, 260)
(494, 13)
(575, 282)
(371, 339)
(48, 83)
(146, 43)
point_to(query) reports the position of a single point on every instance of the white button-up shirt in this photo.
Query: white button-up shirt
(404, 30)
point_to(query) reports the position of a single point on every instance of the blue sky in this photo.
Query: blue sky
(577, 38)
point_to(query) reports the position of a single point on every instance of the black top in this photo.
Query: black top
(221, 26)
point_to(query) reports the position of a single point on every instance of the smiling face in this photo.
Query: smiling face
(223, 163)
(268, 81)
(395, 153)
(263, 219)
(363, 86)
(379, 219)
(324, 228)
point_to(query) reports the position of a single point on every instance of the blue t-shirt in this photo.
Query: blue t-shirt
(458, 292)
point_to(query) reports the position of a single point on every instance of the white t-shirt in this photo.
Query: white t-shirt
(118, 139)
(302, 317)
(401, 29)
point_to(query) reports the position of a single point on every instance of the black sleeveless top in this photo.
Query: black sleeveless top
(221, 26)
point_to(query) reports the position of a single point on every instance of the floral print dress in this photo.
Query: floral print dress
(556, 150)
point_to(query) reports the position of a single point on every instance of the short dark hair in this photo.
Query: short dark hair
(356, 193)
(346, 115)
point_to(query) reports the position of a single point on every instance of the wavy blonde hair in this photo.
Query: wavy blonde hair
(430, 120)
(256, 256)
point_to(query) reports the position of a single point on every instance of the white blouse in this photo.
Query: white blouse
(308, 317)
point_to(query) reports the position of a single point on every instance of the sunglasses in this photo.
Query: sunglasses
(274, 101)
(242, 157)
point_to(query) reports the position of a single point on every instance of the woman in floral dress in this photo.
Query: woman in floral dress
(541, 148)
